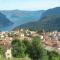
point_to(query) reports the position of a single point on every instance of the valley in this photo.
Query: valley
(31, 35)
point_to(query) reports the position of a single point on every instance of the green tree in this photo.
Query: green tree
(2, 51)
(53, 55)
(27, 45)
(18, 48)
(35, 49)
(40, 32)
(44, 55)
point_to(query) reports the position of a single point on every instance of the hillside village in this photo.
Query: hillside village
(7, 37)
(50, 40)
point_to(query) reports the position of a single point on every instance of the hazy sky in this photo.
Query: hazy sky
(28, 4)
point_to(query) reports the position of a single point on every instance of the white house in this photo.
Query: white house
(41, 37)
(8, 53)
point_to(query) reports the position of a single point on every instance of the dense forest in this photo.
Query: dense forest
(49, 21)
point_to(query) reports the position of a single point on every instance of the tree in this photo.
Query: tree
(44, 55)
(53, 55)
(40, 31)
(35, 49)
(2, 51)
(27, 45)
(18, 48)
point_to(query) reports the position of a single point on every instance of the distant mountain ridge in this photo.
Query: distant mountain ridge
(4, 22)
(19, 17)
(52, 11)
(49, 21)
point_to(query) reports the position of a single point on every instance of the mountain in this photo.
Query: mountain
(4, 22)
(50, 21)
(19, 17)
(52, 11)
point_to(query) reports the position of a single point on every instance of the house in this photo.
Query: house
(41, 37)
(8, 53)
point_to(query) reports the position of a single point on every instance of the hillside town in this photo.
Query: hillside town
(50, 40)
(7, 37)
